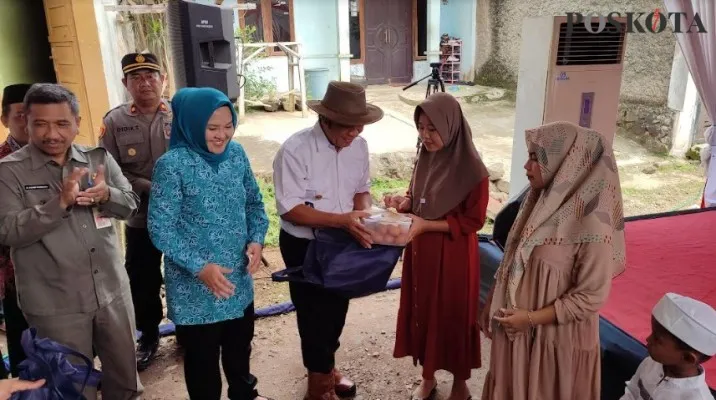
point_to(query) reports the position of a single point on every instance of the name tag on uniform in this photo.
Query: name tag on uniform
(99, 221)
(36, 187)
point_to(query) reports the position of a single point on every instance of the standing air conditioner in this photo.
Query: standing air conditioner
(566, 76)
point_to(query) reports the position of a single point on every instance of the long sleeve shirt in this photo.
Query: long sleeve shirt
(65, 261)
(198, 216)
(649, 383)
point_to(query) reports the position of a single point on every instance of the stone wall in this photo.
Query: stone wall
(649, 124)
(647, 63)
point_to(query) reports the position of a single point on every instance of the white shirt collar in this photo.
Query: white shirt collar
(685, 383)
(320, 139)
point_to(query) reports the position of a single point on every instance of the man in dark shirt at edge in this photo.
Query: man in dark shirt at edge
(13, 118)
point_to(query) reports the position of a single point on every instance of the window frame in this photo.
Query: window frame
(361, 29)
(416, 56)
(267, 24)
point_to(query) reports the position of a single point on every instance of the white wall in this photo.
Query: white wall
(421, 69)
(319, 40)
(531, 90)
(458, 19)
(683, 98)
(111, 60)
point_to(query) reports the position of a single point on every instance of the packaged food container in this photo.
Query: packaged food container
(388, 228)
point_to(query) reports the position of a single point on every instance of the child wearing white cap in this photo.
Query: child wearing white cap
(683, 336)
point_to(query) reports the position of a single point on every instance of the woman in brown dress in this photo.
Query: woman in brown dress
(437, 320)
(565, 246)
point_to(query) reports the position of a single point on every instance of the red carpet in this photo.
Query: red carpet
(668, 254)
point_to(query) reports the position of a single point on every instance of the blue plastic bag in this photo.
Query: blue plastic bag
(48, 360)
(338, 263)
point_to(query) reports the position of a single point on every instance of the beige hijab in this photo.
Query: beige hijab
(581, 203)
(443, 179)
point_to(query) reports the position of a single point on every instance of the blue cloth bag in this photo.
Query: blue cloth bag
(48, 360)
(338, 263)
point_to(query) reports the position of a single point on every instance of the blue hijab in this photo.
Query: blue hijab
(192, 108)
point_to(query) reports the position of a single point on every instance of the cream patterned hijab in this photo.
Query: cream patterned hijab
(581, 203)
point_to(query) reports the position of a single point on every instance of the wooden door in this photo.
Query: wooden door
(78, 64)
(388, 41)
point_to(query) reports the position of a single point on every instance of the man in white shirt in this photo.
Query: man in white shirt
(322, 179)
(683, 336)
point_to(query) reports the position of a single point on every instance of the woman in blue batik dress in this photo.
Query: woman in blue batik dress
(207, 216)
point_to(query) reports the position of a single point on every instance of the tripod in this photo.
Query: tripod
(432, 88)
(433, 82)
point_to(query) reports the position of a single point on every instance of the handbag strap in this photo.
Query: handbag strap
(93, 376)
(85, 370)
(293, 274)
(90, 374)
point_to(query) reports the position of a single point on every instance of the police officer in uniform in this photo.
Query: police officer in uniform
(137, 134)
(57, 202)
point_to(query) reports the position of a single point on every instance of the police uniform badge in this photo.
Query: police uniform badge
(140, 58)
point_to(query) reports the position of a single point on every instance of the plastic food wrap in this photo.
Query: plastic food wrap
(389, 228)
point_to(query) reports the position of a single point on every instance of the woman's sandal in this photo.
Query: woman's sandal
(431, 396)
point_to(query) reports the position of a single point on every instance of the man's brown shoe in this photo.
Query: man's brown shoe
(345, 389)
(321, 387)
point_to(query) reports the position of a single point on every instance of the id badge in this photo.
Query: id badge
(99, 221)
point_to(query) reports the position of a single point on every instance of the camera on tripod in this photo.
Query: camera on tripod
(435, 82)
(435, 74)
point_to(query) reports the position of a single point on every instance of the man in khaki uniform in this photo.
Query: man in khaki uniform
(56, 204)
(137, 134)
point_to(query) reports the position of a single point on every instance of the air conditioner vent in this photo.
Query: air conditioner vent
(581, 47)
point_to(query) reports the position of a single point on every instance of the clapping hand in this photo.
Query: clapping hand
(71, 187)
(98, 192)
(213, 277)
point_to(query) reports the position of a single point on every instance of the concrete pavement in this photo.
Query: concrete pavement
(492, 123)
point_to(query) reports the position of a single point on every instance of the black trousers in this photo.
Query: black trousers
(228, 341)
(15, 324)
(320, 314)
(143, 263)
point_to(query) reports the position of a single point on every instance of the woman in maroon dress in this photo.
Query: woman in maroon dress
(437, 321)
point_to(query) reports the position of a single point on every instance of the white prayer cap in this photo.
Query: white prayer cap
(690, 320)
